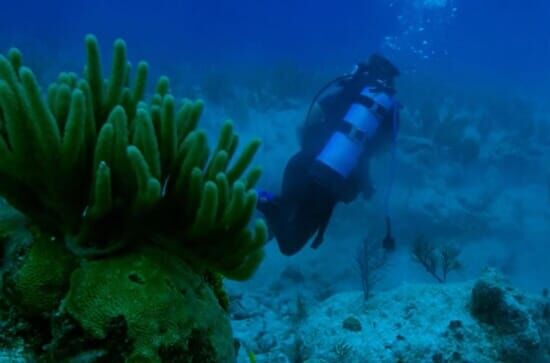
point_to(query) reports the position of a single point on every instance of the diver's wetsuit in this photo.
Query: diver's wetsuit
(311, 190)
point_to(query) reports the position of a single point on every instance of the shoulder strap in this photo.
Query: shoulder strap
(322, 90)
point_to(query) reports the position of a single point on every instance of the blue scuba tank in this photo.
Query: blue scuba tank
(343, 150)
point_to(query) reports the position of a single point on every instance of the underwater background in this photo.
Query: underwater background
(473, 161)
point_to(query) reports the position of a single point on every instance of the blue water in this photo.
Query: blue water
(502, 38)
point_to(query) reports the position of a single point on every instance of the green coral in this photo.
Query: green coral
(41, 278)
(215, 280)
(103, 170)
(251, 356)
(36, 267)
(162, 301)
(135, 220)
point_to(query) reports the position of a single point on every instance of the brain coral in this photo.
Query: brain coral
(163, 302)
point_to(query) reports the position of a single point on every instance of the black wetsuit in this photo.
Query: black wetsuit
(311, 190)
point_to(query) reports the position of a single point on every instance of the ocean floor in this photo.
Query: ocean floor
(479, 321)
(310, 307)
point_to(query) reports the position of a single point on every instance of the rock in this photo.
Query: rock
(433, 323)
(244, 307)
(277, 358)
(265, 343)
(352, 324)
(502, 307)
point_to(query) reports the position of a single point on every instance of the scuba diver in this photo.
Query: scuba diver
(350, 119)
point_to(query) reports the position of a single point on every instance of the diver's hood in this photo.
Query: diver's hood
(379, 68)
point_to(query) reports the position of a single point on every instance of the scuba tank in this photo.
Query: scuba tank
(343, 150)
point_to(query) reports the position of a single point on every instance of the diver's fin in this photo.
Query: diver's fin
(319, 237)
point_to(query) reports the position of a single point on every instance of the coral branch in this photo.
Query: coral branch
(102, 169)
(437, 262)
(371, 260)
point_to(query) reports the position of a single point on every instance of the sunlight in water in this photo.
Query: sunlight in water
(420, 28)
(434, 3)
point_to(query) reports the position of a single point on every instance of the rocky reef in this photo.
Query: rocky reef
(483, 321)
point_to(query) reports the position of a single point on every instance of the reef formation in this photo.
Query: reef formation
(120, 222)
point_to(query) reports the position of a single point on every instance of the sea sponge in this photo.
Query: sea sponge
(101, 170)
(163, 302)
